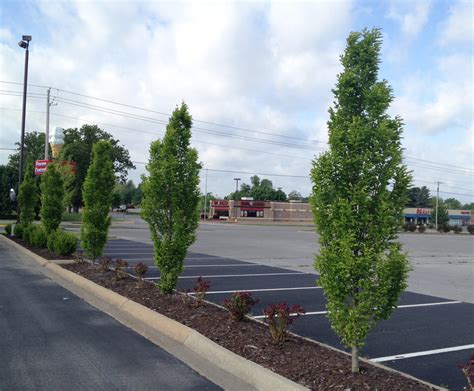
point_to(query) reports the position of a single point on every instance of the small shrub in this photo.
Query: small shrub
(27, 233)
(468, 371)
(411, 227)
(140, 270)
(62, 243)
(120, 267)
(457, 229)
(421, 228)
(445, 228)
(470, 229)
(104, 263)
(201, 288)
(279, 317)
(37, 236)
(19, 230)
(239, 305)
(8, 229)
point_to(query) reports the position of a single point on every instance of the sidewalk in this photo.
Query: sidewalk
(52, 340)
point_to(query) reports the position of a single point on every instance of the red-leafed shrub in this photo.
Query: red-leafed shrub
(120, 267)
(239, 304)
(279, 317)
(201, 288)
(140, 270)
(468, 370)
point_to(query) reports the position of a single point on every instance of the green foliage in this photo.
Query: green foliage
(359, 192)
(28, 196)
(8, 229)
(7, 182)
(419, 197)
(97, 193)
(78, 145)
(62, 243)
(171, 197)
(36, 235)
(470, 229)
(443, 217)
(52, 197)
(259, 190)
(452, 203)
(421, 228)
(19, 230)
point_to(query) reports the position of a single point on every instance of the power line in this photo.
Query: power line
(220, 125)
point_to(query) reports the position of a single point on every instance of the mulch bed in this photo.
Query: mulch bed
(42, 252)
(300, 360)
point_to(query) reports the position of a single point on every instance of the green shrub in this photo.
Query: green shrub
(38, 236)
(445, 228)
(27, 233)
(411, 227)
(457, 229)
(470, 229)
(8, 229)
(62, 243)
(19, 230)
(421, 228)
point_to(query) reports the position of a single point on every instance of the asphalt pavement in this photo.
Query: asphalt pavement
(427, 336)
(52, 340)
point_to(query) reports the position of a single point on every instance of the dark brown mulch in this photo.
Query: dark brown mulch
(302, 361)
(43, 252)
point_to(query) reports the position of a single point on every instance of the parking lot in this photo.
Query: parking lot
(427, 336)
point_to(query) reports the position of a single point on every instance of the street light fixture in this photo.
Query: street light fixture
(25, 44)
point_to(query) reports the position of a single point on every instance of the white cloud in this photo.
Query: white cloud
(412, 16)
(459, 27)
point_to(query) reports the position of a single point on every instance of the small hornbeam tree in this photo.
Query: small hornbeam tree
(28, 196)
(170, 202)
(97, 197)
(359, 191)
(52, 198)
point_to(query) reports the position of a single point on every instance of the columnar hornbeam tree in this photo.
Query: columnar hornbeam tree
(170, 202)
(359, 191)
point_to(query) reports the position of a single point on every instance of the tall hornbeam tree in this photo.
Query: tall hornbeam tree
(170, 202)
(359, 191)
(97, 195)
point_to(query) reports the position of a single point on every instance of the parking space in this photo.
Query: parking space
(426, 336)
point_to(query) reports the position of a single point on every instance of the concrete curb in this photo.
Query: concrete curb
(143, 321)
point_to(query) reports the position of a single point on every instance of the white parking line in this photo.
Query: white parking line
(261, 290)
(235, 275)
(425, 353)
(194, 266)
(400, 306)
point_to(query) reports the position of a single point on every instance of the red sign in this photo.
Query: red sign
(42, 165)
(421, 211)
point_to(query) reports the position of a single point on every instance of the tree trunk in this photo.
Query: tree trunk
(355, 359)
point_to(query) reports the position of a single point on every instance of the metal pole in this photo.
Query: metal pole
(205, 199)
(22, 141)
(437, 198)
(46, 141)
(235, 195)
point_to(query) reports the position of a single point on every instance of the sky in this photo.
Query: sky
(256, 75)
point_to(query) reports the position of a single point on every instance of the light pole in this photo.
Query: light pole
(437, 198)
(25, 44)
(235, 195)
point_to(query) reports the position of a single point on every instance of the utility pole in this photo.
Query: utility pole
(205, 199)
(437, 198)
(46, 139)
(235, 196)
